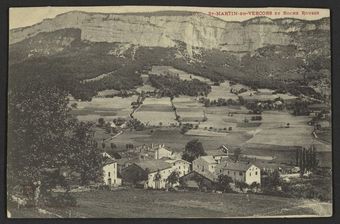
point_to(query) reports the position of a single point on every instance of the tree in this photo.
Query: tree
(193, 149)
(43, 135)
(107, 127)
(237, 154)
(113, 145)
(173, 178)
(306, 159)
(241, 185)
(101, 122)
(274, 180)
(135, 124)
(86, 158)
(223, 183)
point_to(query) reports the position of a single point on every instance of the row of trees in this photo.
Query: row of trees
(219, 102)
(306, 159)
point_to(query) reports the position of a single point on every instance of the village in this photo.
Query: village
(160, 168)
(197, 117)
(192, 165)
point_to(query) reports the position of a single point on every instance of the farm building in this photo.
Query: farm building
(196, 181)
(179, 165)
(239, 171)
(154, 173)
(134, 174)
(157, 173)
(162, 152)
(205, 165)
(111, 155)
(150, 173)
(110, 173)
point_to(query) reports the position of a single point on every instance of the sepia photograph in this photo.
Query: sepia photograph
(169, 112)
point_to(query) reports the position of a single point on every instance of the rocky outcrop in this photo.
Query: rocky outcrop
(166, 29)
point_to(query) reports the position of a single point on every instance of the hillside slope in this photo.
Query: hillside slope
(259, 52)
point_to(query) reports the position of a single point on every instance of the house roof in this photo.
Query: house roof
(209, 159)
(210, 178)
(171, 161)
(108, 161)
(153, 165)
(238, 166)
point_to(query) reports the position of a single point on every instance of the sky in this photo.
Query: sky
(27, 16)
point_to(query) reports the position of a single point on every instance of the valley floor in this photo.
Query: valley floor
(138, 203)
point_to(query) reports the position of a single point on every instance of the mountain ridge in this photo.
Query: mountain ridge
(158, 29)
(285, 54)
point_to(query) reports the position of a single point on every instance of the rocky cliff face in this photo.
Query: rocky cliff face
(166, 29)
(260, 52)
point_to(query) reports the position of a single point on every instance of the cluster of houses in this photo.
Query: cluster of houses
(152, 172)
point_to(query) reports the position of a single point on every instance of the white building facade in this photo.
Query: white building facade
(162, 152)
(206, 165)
(110, 174)
(240, 172)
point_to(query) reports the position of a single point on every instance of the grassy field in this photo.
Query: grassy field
(222, 91)
(156, 111)
(165, 70)
(108, 108)
(135, 203)
(265, 94)
(272, 131)
(166, 135)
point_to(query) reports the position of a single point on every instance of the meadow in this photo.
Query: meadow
(165, 70)
(156, 112)
(222, 91)
(273, 131)
(138, 203)
(108, 108)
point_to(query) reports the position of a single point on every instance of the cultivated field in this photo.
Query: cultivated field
(265, 94)
(189, 109)
(169, 70)
(172, 137)
(267, 137)
(135, 203)
(222, 91)
(272, 130)
(156, 111)
(107, 108)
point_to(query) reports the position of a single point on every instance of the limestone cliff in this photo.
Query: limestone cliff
(166, 29)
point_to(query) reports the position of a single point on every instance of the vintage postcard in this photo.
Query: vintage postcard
(169, 112)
